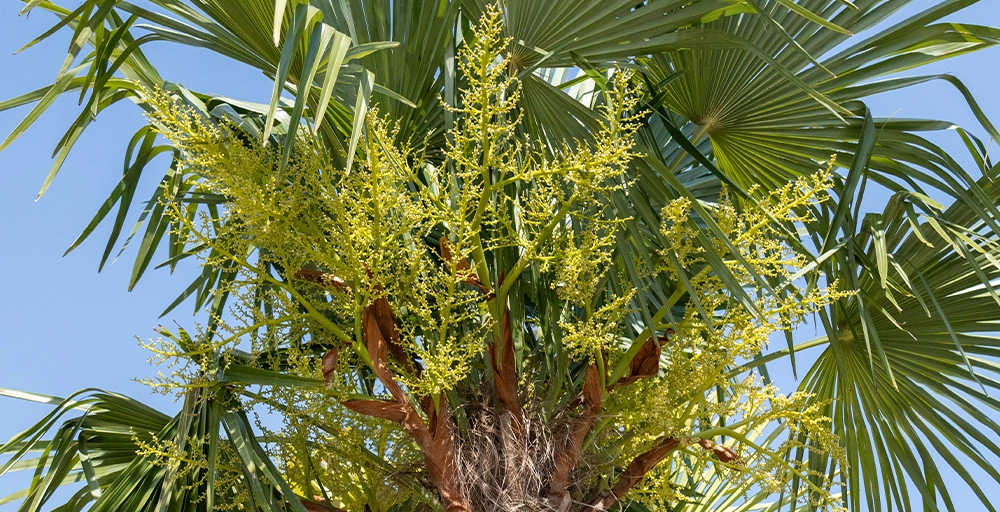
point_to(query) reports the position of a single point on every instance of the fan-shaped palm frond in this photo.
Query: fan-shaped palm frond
(927, 297)
(126, 456)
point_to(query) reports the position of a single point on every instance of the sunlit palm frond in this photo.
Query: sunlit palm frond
(920, 398)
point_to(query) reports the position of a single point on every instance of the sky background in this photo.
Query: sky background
(64, 327)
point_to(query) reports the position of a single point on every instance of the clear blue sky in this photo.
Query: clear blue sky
(66, 327)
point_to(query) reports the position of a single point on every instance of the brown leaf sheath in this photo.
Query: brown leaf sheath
(725, 454)
(645, 363)
(437, 445)
(593, 392)
(330, 360)
(462, 265)
(569, 453)
(636, 471)
(316, 507)
(386, 320)
(505, 375)
(436, 442)
(322, 278)
(378, 351)
(641, 465)
(383, 313)
(382, 409)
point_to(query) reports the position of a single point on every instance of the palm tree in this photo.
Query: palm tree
(737, 95)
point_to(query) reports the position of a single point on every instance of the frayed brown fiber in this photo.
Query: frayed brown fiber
(502, 471)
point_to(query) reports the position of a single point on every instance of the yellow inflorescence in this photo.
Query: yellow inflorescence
(365, 232)
(696, 396)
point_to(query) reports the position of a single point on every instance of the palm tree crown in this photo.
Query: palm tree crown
(561, 232)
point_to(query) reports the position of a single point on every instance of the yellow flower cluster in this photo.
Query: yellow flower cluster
(696, 398)
(587, 338)
(186, 458)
